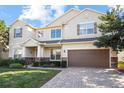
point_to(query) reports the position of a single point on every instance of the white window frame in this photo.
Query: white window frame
(55, 55)
(40, 33)
(56, 37)
(15, 36)
(18, 53)
(85, 23)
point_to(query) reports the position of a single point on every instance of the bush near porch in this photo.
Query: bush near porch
(13, 63)
(50, 64)
(18, 63)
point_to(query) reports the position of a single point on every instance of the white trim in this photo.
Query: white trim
(93, 11)
(62, 16)
(110, 63)
(55, 54)
(67, 59)
(55, 38)
(83, 11)
(55, 59)
(85, 23)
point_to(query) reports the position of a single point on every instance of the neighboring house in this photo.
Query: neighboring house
(70, 37)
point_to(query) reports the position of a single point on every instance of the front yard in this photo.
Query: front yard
(24, 78)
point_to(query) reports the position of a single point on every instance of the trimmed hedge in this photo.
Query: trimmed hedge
(4, 62)
(21, 61)
(64, 64)
(50, 64)
(36, 64)
(16, 65)
(47, 64)
(56, 63)
(7, 62)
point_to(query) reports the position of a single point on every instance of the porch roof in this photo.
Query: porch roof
(68, 40)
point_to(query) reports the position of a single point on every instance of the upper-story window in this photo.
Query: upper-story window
(40, 34)
(56, 33)
(17, 32)
(87, 28)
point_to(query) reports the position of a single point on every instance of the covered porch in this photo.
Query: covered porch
(42, 53)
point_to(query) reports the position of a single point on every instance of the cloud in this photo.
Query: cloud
(115, 6)
(76, 7)
(59, 10)
(42, 13)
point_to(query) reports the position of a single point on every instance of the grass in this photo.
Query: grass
(121, 65)
(24, 78)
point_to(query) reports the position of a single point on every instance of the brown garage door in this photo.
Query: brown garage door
(88, 58)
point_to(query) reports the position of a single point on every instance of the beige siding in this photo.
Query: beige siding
(47, 52)
(67, 47)
(70, 30)
(30, 52)
(121, 56)
(46, 34)
(15, 43)
(64, 18)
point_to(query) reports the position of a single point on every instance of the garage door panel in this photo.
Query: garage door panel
(88, 58)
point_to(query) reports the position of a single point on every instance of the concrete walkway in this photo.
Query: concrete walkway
(30, 67)
(86, 78)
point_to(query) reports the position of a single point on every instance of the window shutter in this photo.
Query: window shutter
(21, 31)
(95, 27)
(78, 29)
(14, 33)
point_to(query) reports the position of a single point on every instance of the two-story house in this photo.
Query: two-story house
(69, 37)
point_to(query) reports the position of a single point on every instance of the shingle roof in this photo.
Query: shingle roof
(68, 40)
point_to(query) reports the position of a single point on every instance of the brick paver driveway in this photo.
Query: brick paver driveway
(86, 78)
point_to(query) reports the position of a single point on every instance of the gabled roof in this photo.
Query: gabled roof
(47, 26)
(17, 20)
(72, 9)
(86, 10)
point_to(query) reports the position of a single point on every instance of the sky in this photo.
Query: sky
(40, 15)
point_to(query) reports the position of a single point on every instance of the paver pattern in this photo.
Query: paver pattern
(86, 78)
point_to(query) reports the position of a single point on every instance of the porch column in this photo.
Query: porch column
(24, 52)
(40, 51)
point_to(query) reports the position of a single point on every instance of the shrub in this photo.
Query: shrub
(7, 62)
(56, 63)
(4, 62)
(47, 64)
(16, 65)
(64, 64)
(36, 64)
(21, 61)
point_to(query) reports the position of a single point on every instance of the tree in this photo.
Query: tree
(112, 29)
(4, 36)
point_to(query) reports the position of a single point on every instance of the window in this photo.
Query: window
(88, 28)
(17, 32)
(18, 53)
(40, 34)
(55, 54)
(56, 33)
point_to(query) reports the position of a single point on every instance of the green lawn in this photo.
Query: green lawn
(24, 78)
